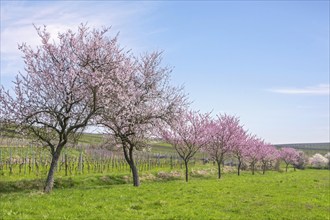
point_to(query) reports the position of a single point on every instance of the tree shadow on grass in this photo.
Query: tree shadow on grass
(21, 185)
(61, 183)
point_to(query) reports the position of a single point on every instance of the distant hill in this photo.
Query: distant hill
(307, 146)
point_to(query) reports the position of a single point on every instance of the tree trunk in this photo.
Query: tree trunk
(219, 169)
(239, 168)
(50, 178)
(186, 166)
(130, 160)
(263, 168)
(286, 168)
(253, 167)
(136, 179)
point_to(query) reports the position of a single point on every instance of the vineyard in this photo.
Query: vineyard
(34, 161)
(19, 157)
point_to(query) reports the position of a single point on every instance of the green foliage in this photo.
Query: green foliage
(293, 195)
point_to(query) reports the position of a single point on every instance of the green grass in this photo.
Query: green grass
(162, 148)
(293, 195)
(89, 138)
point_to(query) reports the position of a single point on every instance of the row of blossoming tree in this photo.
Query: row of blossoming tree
(85, 78)
(222, 138)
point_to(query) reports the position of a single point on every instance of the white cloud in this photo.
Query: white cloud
(18, 17)
(321, 89)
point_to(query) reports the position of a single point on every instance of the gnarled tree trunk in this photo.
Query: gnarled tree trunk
(128, 153)
(135, 173)
(50, 178)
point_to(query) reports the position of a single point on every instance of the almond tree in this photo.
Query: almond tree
(57, 96)
(187, 134)
(222, 132)
(301, 160)
(238, 146)
(318, 161)
(137, 100)
(253, 150)
(290, 156)
(268, 155)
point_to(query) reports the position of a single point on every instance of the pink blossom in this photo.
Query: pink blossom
(188, 134)
(290, 156)
(223, 132)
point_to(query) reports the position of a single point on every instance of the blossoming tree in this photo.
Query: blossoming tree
(268, 155)
(290, 156)
(187, 134)
(222, 133)
(57, 96)
(318, 161)
(137, 100)
(238, 146)
(253, 150)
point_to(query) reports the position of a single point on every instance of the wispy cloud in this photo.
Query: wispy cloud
(321, 89)
(17, 18)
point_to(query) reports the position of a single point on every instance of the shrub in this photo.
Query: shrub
(301, 161)
(327, 155)
(318, 161)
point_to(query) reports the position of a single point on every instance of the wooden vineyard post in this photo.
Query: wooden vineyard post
(1, 163)
(41, 162)
(119, 164)
(94, 165)
(37, 167)
(71, 166)
(66, 164)
(25, 161)
(149, 163)
(33, 160)
(88, 166)
(171, 161)
(157, 161)
(5, 162)
(109, 165)
(30, 168)
(112, 162)
(10, 160)
(21, 164)
(80, 163)
(19, 161)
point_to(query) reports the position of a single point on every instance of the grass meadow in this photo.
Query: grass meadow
(301, 194)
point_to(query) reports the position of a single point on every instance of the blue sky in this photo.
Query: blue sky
(264, 61)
